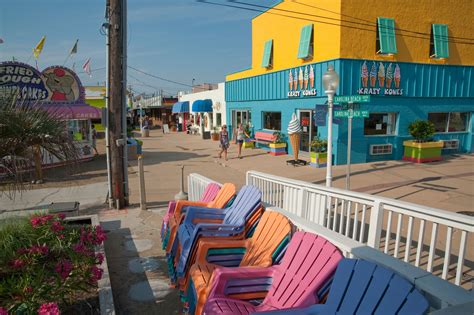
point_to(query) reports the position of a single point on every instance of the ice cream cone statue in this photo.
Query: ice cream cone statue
(311, 77)
(389, 78)
(295, 80)
(373, 74)
(364, 74)
(290, 80)
(381, 75)
(294, 132)
(305, 78)
(300, 78)
(397, 76)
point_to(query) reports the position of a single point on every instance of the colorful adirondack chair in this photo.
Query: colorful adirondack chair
(233, 222)
(269, 241)
(225, 194)
(302, 279)
(207, 196)
(363, 287)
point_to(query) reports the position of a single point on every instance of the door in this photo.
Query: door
(308, 130)
(239, 117)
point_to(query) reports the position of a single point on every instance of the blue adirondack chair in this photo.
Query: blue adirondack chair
(233, 219)
(362, 287)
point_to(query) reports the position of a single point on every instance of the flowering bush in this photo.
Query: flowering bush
(45, 262)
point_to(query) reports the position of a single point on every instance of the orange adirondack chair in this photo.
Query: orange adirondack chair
(225, 194)
(269, 240)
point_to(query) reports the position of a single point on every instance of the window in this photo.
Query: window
(267, 61)
(439, 47)
(271, 120)
(385, 41)
(305, 50)
(449, 122)
(380, 124)
(218, 119)
(78, 130)
(380, 149)
(451, 144)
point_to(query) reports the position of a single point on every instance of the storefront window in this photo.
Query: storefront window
(380, 124)
(449, 122)
(271, 120)
(218, 119)
(79, 130)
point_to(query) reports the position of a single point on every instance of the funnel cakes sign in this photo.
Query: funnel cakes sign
(301, 82)
(381, 80)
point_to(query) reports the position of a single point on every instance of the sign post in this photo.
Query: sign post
(349, 143)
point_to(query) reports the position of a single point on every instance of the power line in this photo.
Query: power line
(313, 20)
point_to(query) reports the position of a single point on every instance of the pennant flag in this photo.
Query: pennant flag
(74, 48)
(37, 50)
(87, 67)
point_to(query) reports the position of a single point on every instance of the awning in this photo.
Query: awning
(201, 106)
(180, 107)
(74, 111)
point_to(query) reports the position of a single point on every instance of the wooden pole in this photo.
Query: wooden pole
(115, 102)
(141, 175)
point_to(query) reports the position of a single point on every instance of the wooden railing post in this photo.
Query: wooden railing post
(375, 225)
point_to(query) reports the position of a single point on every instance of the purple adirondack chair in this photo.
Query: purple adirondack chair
(208, 195)
(302, 279)
(247, 201)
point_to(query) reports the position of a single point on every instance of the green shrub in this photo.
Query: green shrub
(319, 145)
(421, 130)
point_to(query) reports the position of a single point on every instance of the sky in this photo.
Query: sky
(180, 40)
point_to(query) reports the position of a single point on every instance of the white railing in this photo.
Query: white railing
(196, 186)
(397, 228)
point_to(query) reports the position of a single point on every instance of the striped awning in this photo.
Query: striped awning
(181, 107)
(202, 106)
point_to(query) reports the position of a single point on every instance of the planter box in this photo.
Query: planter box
(215, 136)
(248, 144)
(277, 148)
(106, 299)
(422, 152)
(318, 159)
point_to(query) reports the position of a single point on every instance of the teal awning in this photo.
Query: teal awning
(180, 107)
(202, 106)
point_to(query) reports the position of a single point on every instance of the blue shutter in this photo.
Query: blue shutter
(440, 38)
(305, 41)
(267, 54)
(388, 42)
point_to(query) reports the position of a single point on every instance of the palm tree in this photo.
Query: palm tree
(26, 130)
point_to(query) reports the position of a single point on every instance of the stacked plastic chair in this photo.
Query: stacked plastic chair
(302, 279)
(208, 195)
(362, 287)
(266, 246)
(234, 223)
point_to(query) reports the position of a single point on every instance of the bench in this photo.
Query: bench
(264, 137)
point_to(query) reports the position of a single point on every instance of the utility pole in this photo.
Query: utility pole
(117, 108)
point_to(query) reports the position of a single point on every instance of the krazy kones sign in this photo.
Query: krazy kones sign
(301, 82)
(381, 80)
(22, 80)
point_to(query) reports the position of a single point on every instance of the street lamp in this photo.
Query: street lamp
(330, 83)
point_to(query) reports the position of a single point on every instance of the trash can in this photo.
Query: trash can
(145, 132)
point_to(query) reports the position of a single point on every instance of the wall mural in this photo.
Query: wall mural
(301, 82)
(381, 80)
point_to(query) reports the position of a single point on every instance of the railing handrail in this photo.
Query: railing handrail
(457, 220)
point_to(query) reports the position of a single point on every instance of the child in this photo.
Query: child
(224, 142)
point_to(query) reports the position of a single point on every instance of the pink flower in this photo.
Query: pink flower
(100, 258)
(48, 309)
(28, 289)
(56, 226)
(64, 268)
(96, 273)
(3, 311)
(100, 235)
(43, 249)
(61, 216)
(17, 263)
(35, 222)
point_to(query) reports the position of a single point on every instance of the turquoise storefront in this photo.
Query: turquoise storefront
(400, 93)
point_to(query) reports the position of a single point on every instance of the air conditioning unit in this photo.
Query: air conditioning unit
(451, 144)
(380, 149)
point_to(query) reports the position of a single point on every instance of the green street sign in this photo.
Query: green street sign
(355, 113)
(352, 99)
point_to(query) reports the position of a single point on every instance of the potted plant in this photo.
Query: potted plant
(423, 148)
(278, 146)
(319, 153)
(248, 142)
(215, 133)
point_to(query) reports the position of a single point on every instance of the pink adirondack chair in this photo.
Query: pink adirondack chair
(302, 279)
(207, 196)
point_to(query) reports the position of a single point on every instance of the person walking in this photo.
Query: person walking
(241, 134)
(94, 139)
(224, 142)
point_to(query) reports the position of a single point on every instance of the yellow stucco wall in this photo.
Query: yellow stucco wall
(416, 16)
(333, 41)
(285, 32)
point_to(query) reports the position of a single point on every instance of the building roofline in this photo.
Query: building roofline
(271, 7)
